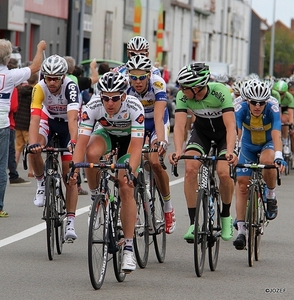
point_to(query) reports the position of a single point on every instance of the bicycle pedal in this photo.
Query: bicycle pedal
(190, 241)
(69, 241)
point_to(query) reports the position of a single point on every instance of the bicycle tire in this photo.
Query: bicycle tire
(288, 161)
(260, 228)
(158, 219)
(141, 234)
(59, 222)
(252, 215)
(119, 241)
(200, 232)
(98, 241)
(49, 214)
(213, 241)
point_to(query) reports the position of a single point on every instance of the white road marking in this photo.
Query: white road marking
(36, 229)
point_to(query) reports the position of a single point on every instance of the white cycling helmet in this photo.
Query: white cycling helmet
(112, 82)
(54, 65)
(258, 91)
(222, 78)
(139, 62)
(194, 75)
(236, 86)
(138, 43)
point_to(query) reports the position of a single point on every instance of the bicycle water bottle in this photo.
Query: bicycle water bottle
(57, 184)
(211, 207)
(265, 188)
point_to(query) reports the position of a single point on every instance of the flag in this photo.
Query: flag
(137, 17)
(159, 35)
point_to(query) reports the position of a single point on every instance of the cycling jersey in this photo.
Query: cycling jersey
(55, 107)
(156, 91)
(129, 120)
(287, 100)
(208, 111)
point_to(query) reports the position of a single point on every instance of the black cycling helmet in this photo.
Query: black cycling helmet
(194, 75)
(112, 82)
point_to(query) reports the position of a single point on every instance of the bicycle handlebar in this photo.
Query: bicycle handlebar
(161, 160)
(202, 158)
(255, 167)
(101, 165)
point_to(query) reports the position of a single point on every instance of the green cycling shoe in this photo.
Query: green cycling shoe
(227, 228)
(189, 236)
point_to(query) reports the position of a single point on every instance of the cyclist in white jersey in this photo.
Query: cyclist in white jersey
(120, 120)
(54, 109)
(151, 91)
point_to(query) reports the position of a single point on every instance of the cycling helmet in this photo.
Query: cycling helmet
(270, 82)
(236, 86)
(194, 75)
(244, 86)
(54, 65)
(253, 76)
(281, 86)
(222, 78)
(258, 91)
(139, 62)
(138, 43)
(112, 82)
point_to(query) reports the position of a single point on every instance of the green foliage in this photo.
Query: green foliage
(283, 52)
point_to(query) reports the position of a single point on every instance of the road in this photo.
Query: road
(26, 272)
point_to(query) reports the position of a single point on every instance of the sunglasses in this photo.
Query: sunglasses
(132, 53)
(255, 103)
(140, 77)
(113, 98)
(52, 78)
(184, 88)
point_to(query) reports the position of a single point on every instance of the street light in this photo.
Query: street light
(271, 66)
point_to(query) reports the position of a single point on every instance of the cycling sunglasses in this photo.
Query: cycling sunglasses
(113, 98)
(140, 77)
(255, 103)
(52, 78)
(132, 53)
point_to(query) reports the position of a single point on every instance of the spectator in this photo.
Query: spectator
(14, 178)
(165, 74)
(10, 79)
(22, 118)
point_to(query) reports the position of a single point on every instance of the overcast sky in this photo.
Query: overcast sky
(265, 9)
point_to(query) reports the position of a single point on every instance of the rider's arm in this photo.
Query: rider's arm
(72, 116)
(38, 59)
(159, 109)
(277, 140)
(230, 124)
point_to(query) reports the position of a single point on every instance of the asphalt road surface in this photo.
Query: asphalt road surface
(26, 272)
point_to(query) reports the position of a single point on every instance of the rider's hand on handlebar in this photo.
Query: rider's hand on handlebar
(35, 148)
(232, 158)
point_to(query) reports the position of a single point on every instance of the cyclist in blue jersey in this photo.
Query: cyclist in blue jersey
(259, 128)
(151, 91)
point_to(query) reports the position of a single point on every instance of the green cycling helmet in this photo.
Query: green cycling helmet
(194, 75)
(281, 86)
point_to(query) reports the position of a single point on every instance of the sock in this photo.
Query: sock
(128, 245)
(271, 193)
(40, 181)
(285, 141)
(226, 210)
(167, 205)
(71, 218)
(93, 193)
(192, 213)
(241, 227)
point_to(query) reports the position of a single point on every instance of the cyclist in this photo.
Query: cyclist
(287, 106)
(137, 45)
(54, 109)
(212, 105)
(151, 91)
(121, 120)
(259, 128)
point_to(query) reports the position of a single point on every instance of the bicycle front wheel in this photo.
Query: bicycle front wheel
(252, 222)
(200, 232)
(49, 214)
(98, 241)
(59, 223)
(118, 240)
(141, 235)
(159, 237)
(214, 233)
(260, 227)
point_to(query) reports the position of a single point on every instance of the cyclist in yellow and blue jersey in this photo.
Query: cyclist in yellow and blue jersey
(259, 128)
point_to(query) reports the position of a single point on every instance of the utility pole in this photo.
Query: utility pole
(81, 31)
(191, 2)
(272, 54)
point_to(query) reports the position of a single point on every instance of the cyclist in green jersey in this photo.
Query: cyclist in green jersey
(212, 105)
(287, 106)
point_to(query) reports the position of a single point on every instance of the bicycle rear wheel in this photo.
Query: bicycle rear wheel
(213, 241)
(159, 237)
(59, 222)
(98, 241)
(141, 235)
(119, 241)
(49, 214)
(260, 227)
(252, 221)
(200, 232)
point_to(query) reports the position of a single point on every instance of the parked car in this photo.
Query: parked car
(111, 63)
